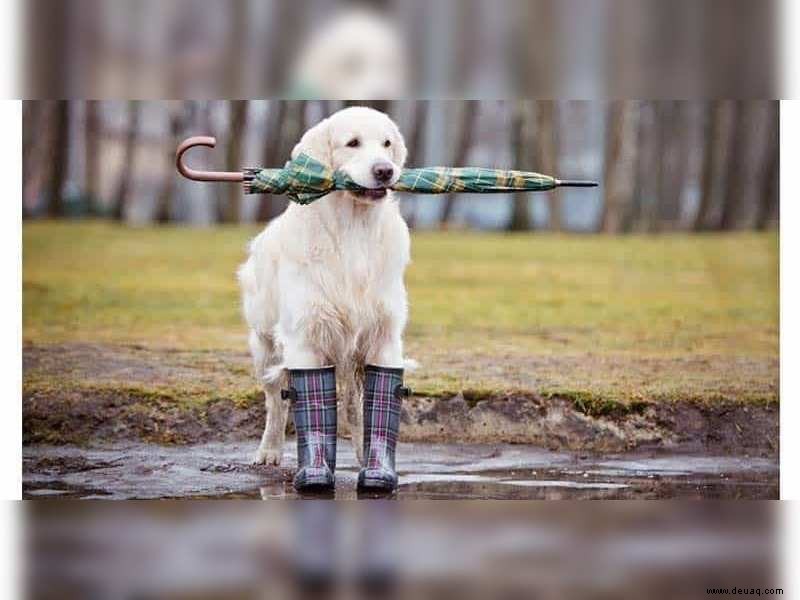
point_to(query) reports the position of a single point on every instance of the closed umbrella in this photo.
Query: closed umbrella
(305, 179)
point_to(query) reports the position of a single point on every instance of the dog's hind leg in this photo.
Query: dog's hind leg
(351, 387)
(270, 450)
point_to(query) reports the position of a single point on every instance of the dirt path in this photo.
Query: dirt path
(88, 394)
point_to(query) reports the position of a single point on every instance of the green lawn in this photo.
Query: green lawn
(667, 317)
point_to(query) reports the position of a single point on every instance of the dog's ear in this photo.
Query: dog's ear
(399, 147)
(316, 142)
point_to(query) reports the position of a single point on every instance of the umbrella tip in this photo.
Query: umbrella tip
(575, 183)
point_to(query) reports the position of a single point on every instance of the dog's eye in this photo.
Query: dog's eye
(354, 143)
(387, 143)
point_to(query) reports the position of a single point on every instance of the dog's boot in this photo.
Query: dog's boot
(313, 396)
(383, 396)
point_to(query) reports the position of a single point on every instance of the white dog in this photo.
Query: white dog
(323, 284)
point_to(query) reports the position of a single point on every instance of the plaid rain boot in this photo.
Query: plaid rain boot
(383, 395)
(313, 396)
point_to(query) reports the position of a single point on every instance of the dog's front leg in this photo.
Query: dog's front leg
(262, 349)
(270, 450)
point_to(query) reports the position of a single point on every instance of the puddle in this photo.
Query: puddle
(427, 471)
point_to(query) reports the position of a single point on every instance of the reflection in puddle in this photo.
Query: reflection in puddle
(417, 549)
(438, 471)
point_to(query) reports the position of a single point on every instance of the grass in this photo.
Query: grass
(598, 319)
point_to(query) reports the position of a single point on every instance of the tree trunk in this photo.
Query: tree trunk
(92, 172)
(620, 164)
(416, 148)
(470, 111)
(381, 105)
(60, 158)
(520, 213)
(733, 172)
(545, 149)
(231, 212)
(713, 140)
(31, 120)
(768, 203)
(123, 192)
(674, 157)
(270, 205)
(648, 163)
(34, 117)
(39, 165)
(178, 118)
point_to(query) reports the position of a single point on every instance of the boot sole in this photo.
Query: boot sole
(314, 487)
(310, 484)
(376, 485)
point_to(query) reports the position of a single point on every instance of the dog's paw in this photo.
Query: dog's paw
(268, 456)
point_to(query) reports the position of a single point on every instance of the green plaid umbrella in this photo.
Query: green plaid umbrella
(305, 180)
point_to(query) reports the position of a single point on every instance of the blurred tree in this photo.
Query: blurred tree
(416, 137)
(230, 211)
(768, 205)
(273, 132)
(674, 158)
(713, 158)
(92, 158)
(416, 146)
(468, 117)
(545, 153)
(285, 121)
(294, 128)
(734, 168)
(382, 105)
(123, 191)
(520, 138)
(620, 164)
(648, 170)
(60, 155)
(178, 117)
(325, 108)
(33, 117)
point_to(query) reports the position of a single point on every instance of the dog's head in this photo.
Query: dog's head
(362, 142)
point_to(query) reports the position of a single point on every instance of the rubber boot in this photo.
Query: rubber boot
(313, 396)
(383, 396)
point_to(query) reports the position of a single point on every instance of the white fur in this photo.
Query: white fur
(358, 54)
(323, 284)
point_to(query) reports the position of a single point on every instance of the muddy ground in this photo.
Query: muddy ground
(87, 394)
(121, 422)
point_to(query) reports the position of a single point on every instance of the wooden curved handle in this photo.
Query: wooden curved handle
(189, 173)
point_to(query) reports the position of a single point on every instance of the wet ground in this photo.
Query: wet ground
(427, 471)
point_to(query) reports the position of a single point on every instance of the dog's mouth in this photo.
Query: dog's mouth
(371, 194)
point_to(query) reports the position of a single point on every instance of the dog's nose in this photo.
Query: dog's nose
(382, 172)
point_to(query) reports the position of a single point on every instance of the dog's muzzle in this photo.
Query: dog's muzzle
(373, 194)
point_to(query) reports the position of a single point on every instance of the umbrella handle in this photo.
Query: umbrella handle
(195, 175)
